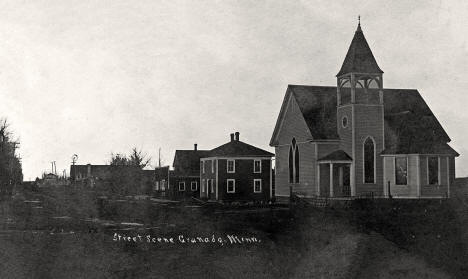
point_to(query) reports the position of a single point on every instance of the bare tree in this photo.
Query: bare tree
(139, 159)
(10, 164)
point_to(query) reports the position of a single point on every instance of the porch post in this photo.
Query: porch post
(318, 180)
(331, 179)
(352, 182)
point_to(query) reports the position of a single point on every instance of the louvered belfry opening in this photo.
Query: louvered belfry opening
(359, 80)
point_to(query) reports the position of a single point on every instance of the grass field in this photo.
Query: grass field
(68, 234)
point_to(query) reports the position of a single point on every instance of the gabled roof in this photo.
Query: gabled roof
(237, 148)
(359, 58)
(338, 155)
(410, 126)
(187, 162)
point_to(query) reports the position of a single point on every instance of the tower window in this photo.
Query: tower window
(369, 161)
(344, 121)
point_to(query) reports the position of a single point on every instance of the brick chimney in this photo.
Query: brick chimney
(237, 136)
(232, 137)
(195, 147)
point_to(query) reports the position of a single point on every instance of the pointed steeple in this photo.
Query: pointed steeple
(359, 58)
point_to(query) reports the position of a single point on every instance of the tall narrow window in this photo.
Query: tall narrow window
(257, 185)
(193, 185)
(293, 162)
(231, 186)
(181, 186)
(296, 165)
(291, 165)
(401, 171)
(231, 166)
(257, 166)
(433, 170)
(369, 161)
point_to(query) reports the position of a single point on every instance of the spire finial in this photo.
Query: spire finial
(359, 23)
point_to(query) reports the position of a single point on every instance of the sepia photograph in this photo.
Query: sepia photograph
(233, 139)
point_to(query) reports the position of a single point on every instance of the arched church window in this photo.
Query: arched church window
(296, 165)
(369, 161)
(291, 165)
(293, 162)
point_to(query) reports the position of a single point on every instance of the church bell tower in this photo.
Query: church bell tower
(360, 115)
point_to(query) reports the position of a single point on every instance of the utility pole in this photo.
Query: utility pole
(159, 157)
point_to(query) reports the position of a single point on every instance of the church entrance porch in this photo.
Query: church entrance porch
(334, 179)
(334, 175)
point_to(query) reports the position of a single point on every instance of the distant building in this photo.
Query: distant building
(89, 174)
(136, 180)
(358, 138)
(186, 175)
(236, 171)
(183, 181)
(51, 179)
(161, 182)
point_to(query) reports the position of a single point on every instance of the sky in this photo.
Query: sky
(99, 77)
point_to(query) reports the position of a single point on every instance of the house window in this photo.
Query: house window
(212, 166)
(433, 170)
(257, 166)
(182, 186)
(203, 166)
(257, 185)
(163, 185)
(193, 186)
(369, 161)
(156, 185)
(231, 186)
(203, 185)
(231, 166)
(401, 171)
(212, 186)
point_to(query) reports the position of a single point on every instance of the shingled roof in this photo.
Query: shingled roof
(237, 148)
(410, 125)
(338, 155)
(187, 162)
(359, 58)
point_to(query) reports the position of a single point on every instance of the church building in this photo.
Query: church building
(359, 138)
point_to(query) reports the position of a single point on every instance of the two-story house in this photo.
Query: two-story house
(236, 171)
